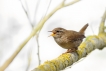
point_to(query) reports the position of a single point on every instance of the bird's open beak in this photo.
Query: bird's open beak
(53, 34)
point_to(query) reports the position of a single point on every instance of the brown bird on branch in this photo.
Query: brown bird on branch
(68, 39)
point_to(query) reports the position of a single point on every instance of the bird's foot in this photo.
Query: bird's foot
(71, 50)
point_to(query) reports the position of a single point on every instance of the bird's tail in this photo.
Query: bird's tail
(83, 29)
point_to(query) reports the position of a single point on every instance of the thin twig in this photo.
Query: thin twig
(34, 19)
(28, 17)
(26, 12)
(92, 29)
(38, 53)
(37, 36)
(70, 3)
(29, 59)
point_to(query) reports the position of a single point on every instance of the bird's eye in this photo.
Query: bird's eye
(57, 31)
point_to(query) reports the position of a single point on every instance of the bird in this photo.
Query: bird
(68, 39)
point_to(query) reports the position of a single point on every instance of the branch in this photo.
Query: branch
(101, 28)
(26, 12)
(65, 60)
(37, 35)
(38, 53)
(33, 33)
(29, 60)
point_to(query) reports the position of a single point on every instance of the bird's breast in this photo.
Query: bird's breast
(67, 45)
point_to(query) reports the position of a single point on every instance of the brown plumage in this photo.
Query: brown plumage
(68, 39)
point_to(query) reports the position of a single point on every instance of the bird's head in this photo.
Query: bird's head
(58, 32)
